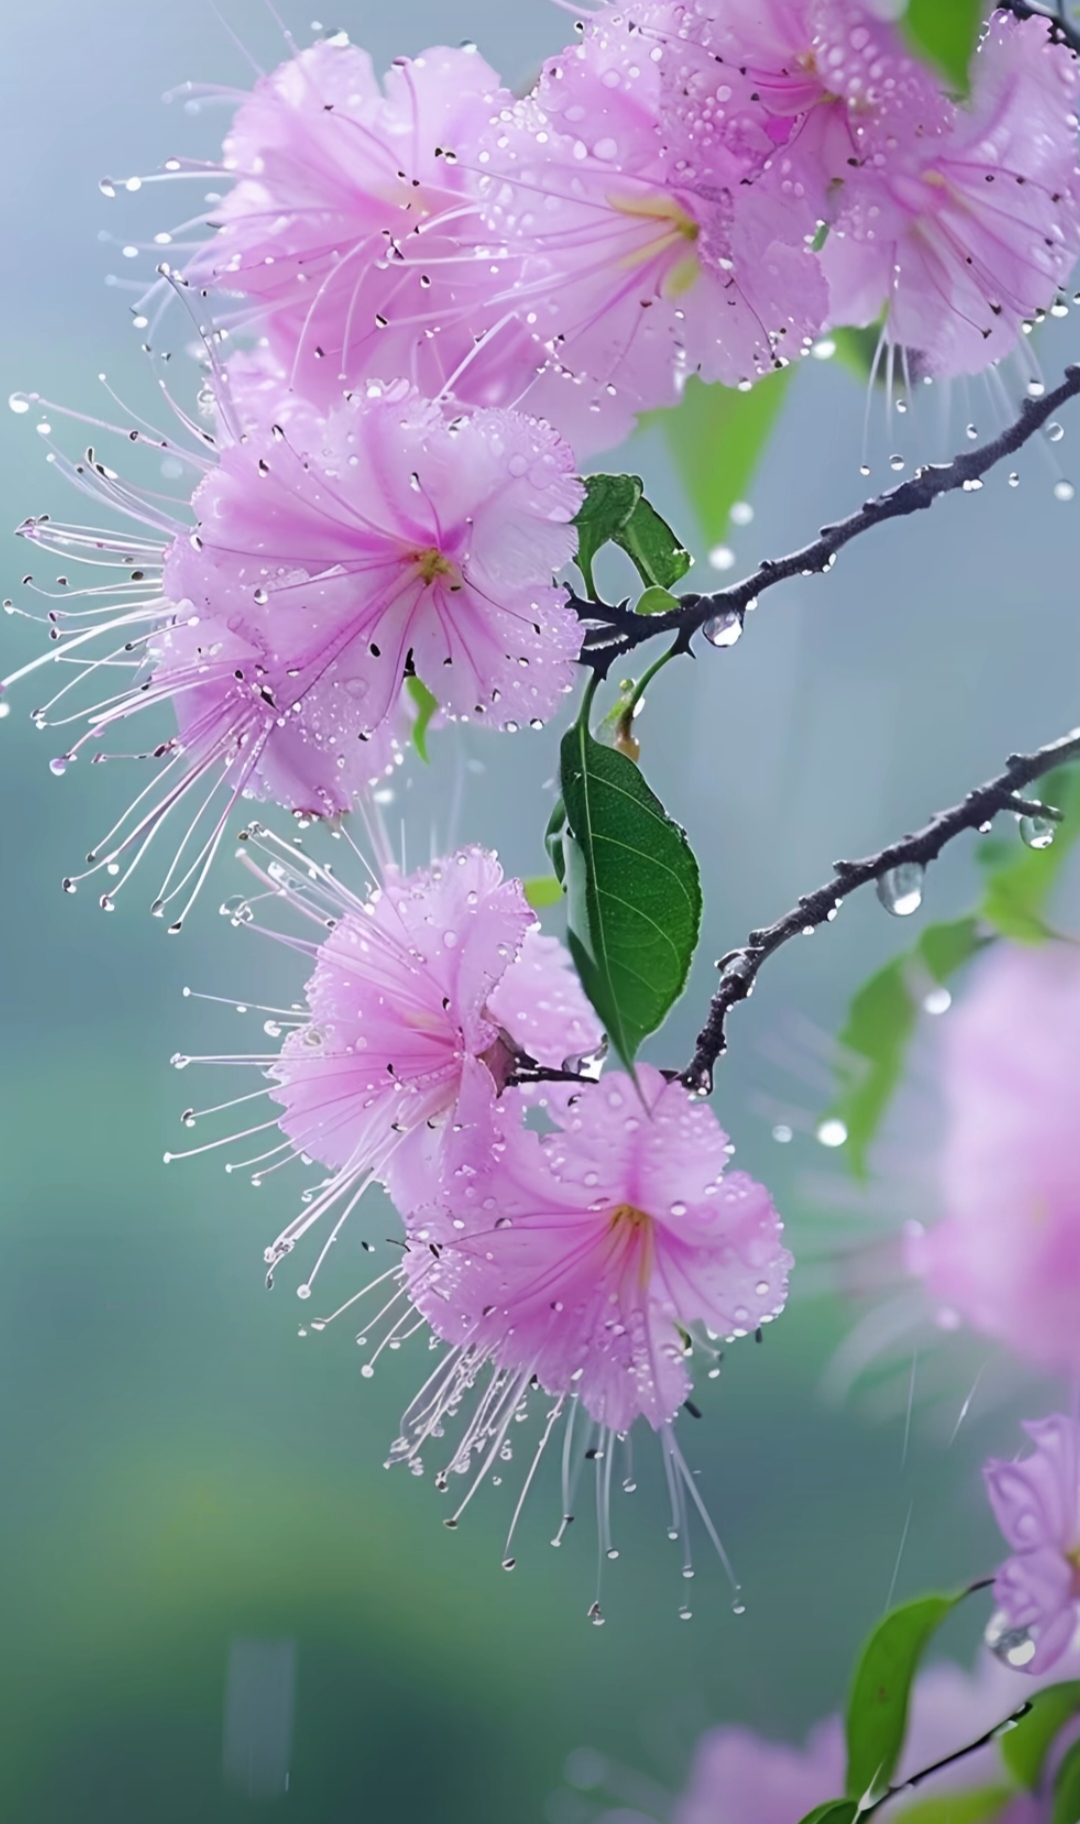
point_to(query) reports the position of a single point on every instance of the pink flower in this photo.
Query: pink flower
(1036, 1503)
(432, 975)
(961, 229)
(1006, 1254)
(332, 556)
(644, 258)
(352, 220)
(584, 1258)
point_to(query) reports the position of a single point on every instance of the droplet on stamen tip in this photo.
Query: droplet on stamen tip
(900, 890)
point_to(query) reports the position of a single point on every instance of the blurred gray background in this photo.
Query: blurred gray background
(215, 1600)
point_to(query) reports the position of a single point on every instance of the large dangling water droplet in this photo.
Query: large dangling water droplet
(1013, 1646)
(724, 629)
(900, 890)
(1037, 832)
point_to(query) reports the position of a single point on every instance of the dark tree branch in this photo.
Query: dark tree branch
(1060, 29)
(740, 968)
(621, 630)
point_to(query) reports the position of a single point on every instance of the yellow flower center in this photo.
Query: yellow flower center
(430, 565)
(674, 225)
(635, 1228)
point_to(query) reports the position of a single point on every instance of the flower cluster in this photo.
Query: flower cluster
(582, 1265)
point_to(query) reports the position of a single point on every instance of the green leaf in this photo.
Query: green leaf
(652, 547)
(881, 1023)
(878, 1707)
(1066, 1807)
(716, 436)
(608, 506)
(426, 707)
(657, 601)
(945, 32)
(543, 890)
(834, 1811)
(1025, 1748)
(1019, 881)
(961, 1807)
(634, 891)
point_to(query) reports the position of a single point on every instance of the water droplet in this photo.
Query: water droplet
(19, 402)
(595, 1615)
(722, 557)
(900, 890)
(724, 629)
(1038, 832)
(832, 1133)
(782, 1133)
(1013, 1646)
(938, 1001)
(1055, 432)
(1064, 490)
(59, 765)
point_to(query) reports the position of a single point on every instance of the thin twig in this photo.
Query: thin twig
(949, 1760)
(740, 968)
(621, 630)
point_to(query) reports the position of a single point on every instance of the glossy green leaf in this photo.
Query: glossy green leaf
(608, 506)
(426, 707)
(977, 1807)
(543, 890)
(659, 558)
(878, 1706)
(634, 892)
(1019, 881)
(1025, 1748)
(945, 32)
(1066, 1802)
(656, 601)
(835, 1811)
(716, 436)
(881, 1023)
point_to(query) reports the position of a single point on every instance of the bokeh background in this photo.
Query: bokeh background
(216, 1602)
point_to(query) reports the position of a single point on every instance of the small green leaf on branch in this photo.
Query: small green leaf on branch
(660, 559)
(834, 1811)
(877, 1710)
(608, 505)
(634, 891)
(657, 601)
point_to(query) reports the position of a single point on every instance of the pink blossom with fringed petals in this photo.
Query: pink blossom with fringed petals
(961, 233)
(352, 224)
(644, 257)
(808, 82)
(331, 552)
(433, 973)
(584, 1257)
(1005, 1256)
(1036, 1503)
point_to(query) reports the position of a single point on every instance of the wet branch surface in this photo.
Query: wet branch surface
(739, 970)
(621, 630)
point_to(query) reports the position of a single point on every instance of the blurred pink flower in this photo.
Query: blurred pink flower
(1006, 1255)
(961, 228)
(584, 1257)
(352, 220)
(644, 258)
(1036, 1503)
